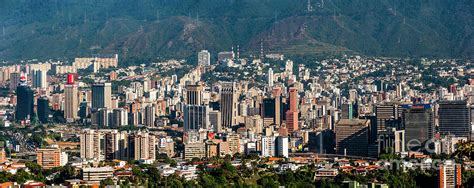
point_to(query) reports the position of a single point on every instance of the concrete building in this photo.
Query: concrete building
(51, 158)
(97, 174)
(292, 113)
(204, 58)
(228, 104)
(71, 100)
(194, 150)
(196, 117)
(352, 137)
(454, 119)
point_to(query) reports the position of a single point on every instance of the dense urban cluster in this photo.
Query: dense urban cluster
(237, 121)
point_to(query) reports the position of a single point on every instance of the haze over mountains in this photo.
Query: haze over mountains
(67, 28)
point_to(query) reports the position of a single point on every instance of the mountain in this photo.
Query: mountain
(148, 28)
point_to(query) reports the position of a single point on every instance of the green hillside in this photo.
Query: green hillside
(149, 28)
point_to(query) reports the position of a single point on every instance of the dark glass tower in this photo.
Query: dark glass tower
(24, 104)
(454, 118)
(43, 109)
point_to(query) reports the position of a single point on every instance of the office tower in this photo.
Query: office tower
(51, 158)
(119, 117)
(24, 106)
(391, 141)
(204, 58)
(387, 112)
(43, 109)
(196, 117)
(449, 175)
(282, 146)
(292, 113)
(39, 78)
(352, 137)
(268, 146)
(321, 141)
(101, 95)
(194, 94)
(145, 146)
(70, 99)
(418, 123)
(454, 118)
(100, 118)
(150, 116)
(270, 77)
(228, 104)
(84, 110)
(14, 80)
(215, 120)
(268, 111)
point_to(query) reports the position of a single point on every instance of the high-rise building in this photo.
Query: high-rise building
(194, 94)
(449, 175)
(204, 58)
(282, 146)
(51, 158)
(24, 107)
(270, 77)
(39, 78)
(43, 109)
(268, 146)
(70, 100)
(196, 117)
(386, 112)
(145, 146)
(454, 118)
(119, 117)
(215, 120)
(101, 95)
(292, 113)
(14, 80)
(418, 123)
(352, 137)
(90, 141)
(228, 104)
(150, 116)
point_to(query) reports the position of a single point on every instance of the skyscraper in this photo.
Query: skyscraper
(292, 113)
(418, 123)
(454, 118)
(101, 95)
(70, 99)
(196, 117)
(39, 79)
(194, 94)
(270, 77)
(228, 104)
(150, 116)
(14, 80)
(352, 137)
(24, 107)
(204, 58)
(43, 109)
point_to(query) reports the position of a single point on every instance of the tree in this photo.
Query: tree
(107, 181)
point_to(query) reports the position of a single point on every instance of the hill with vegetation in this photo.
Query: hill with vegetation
(179, 28)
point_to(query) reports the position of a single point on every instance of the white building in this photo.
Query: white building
(204, 58)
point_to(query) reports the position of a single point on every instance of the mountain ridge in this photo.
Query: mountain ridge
(180, 28)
